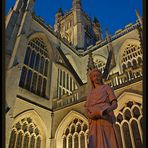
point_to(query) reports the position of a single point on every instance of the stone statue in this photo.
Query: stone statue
(99, 106)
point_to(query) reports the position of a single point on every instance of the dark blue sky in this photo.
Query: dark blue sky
(112, 14)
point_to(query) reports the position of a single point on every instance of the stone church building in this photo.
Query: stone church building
(46, 77)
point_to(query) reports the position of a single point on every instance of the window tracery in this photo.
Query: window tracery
(132, 56)
(65, 83)
(35, 69)
(129, 124)
(24, 134)
(75, 134)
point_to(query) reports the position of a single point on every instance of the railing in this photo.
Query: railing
(115, 80)
(76, 96)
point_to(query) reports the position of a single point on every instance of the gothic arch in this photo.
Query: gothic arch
(28, 126)
(35, 75)
(122, 48)
(46, 40)
(130, 119)
(35, 116)
(102, 58)
(66, 83)
(67, 71)
(125, 97)
(65, 122)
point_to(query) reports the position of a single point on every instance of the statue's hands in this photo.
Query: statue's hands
(108, 114)
(107, 111)
(110, 108)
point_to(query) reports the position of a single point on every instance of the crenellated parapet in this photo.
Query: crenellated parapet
(117, 35)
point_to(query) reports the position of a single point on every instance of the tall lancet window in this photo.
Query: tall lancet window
(76, 135)
(132, 56)
(25, 134)
(130, 125)
(35, 69)
(66, 84)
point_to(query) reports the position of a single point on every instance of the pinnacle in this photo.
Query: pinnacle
(91, 64)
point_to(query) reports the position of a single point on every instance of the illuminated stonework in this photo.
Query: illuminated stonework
(46, 81)
(25, 134)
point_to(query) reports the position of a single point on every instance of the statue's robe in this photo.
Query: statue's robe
(102, 133)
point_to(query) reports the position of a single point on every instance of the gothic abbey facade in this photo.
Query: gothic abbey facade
(46, 81)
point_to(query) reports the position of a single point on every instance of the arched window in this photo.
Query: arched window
(119, 118)
(41, 65)
(136, 112)
(76, 144)
(32, 141)
(28, 81)
(38, 142)
(26, 135)
(127, 114)
(46, 68)
(119, 132)
(64, 142)
(34, 82)
(36, 67)
(129, 64)
(32, 59)
(37, 62)
(76, 134)
(132, 51)
(27, 56)
(82, 140)
(141, 122)
(39, 86)
(65, 83)
(12, 139)
(128, 123)
(19, 140)
(136, 134)
(23, 77)
(26, 141)
(70, 141)
(127, 135)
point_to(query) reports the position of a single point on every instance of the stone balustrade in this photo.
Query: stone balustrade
(115, 80)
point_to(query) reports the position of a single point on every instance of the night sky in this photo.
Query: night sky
(112, 14)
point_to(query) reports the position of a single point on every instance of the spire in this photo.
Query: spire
(139, 17)
(107, 35)
(140, 28)
(111, 58)
(60, 11)
(58, 15)
(95, 20)
(91, 64)
(108, 38)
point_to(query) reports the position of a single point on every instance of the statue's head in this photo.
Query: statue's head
(95, 76)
